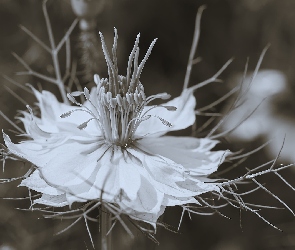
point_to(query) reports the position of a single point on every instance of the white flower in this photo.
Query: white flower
(113, 146)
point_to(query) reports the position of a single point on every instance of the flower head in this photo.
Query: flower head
(113, 147)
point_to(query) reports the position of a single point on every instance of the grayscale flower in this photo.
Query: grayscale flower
(113, 148)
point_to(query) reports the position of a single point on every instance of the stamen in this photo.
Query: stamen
(67, 114)
(73, 100)
(165, 122)
(140, 68)
(120, 100)
(77, 93)
(131, 57)
(169, 108)
(84, 124)
(163, 96)
(86, 93)
(97, 80)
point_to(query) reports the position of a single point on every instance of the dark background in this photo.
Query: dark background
(229, 28)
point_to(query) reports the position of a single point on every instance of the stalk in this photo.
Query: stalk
(105, 225)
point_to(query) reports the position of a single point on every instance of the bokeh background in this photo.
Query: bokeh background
(229, 28)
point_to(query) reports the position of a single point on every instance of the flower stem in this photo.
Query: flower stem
(105, 225)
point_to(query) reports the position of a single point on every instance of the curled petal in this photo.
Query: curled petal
(52, 200)
(35, 182)
(164, 174)
(181, 118)
(148, 200)
(52, 111)
(82, 169)
(150, 218)
(191, 153)
(176, 201)
(113, 176)
(37, 152)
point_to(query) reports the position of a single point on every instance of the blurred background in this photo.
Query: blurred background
(229, 28)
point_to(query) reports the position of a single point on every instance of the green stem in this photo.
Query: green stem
(105, 225)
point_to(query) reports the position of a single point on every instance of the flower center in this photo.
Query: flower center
(120, 113)
(121, 99)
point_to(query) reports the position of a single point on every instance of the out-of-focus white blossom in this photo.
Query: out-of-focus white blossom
(265, 121)
(256, 95)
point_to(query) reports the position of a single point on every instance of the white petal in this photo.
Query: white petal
(83, 168)
(52, 200)
(116, 173)
(36, 152)
(182, 118)
(49, 106)
(163, 174)
(35, 182)
(177, 201)
(71, 163)
(51, 110)
(198, 187)
(150, 218)
(192, 153)
(148, 200)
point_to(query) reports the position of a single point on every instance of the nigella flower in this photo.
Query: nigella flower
(113, 148)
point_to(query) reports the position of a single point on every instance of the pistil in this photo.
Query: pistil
(119, 115)
(121, 99)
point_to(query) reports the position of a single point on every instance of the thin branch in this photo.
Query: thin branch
(16, 95)
(35, 38)
(259, 62)
(32, 72)
(48, 25)
(68, 59)
(194, 47)
(213, 78)
(229, 168)
(205, 125)
(234, 105)
(88, 231)
(59, 81)
(38, 75)
(23, 198)
(231, 129)
(72, 76)
(278, 155)
(12, 123)
(207, 114)
(273, 195)
(22, 61)
(68, 227)
(285, 181)
(66, 36)
(249, 153)
(221, 99)
(17, 84)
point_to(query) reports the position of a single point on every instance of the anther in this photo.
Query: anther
(86, 93)
(67, 114)
(113, 102)
(165, 122)
(142, 95)
(129, 97)
(119, 99)
(109, 96)
(97, 79)
(136, 99)
(106, 100)
(125, 103)
(163, 96)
